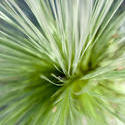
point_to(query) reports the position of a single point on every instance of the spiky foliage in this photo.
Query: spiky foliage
(63, 66)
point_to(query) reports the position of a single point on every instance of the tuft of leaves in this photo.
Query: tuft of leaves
(62, 62)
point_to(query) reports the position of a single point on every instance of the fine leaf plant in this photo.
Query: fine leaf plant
(62, 62)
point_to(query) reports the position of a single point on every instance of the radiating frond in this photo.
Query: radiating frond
(62, 62)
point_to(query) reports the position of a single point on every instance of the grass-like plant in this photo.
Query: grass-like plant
(64, 65)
